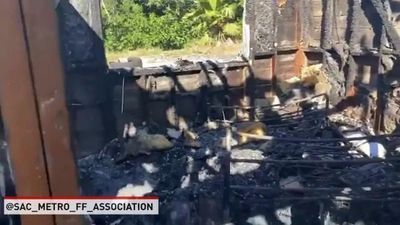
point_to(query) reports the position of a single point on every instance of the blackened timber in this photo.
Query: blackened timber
(356, 11)
(19, 113)
(82, 45)
(196, 68)
(86, 83)
(390, 29)
(326, 42)
(48, 80)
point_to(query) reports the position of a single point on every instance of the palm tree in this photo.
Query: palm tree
(222, 18)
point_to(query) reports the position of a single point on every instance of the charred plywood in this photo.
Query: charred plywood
(270, 24)
(353, 23)
(259, 27)
(340, 21)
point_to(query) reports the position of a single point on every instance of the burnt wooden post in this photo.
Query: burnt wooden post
(85, 64)
(33, 105)
(259, 30)
(19, 112)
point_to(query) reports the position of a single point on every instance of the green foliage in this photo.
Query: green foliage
(222, 18)
(168, 24)
(232, 29)
(177, 8)
(128, 27)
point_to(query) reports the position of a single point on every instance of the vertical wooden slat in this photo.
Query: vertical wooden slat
(19, 112)
(47, 71)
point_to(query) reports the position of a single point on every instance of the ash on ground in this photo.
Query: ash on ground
(189, 181)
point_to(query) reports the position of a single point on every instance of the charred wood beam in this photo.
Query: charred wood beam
(201, 67)
(356, 10)
(19, 112)
(48, 82)
(326, 42)
(390, 29)
(306, 21)
(184, 70)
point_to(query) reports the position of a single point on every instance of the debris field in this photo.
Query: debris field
(319, 168)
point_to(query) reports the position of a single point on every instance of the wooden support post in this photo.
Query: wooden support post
(18, 109)
(33, 105)
(48, 80)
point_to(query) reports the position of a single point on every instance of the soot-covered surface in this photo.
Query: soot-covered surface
(189, 181)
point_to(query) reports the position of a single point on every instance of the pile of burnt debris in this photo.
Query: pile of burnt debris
(291, 165)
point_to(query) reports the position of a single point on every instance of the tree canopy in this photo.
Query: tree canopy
(169, 24)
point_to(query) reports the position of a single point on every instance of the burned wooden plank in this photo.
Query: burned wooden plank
(18, 109)
(48, 81)
(390, 29)
(190, 69)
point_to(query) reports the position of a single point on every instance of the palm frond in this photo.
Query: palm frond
(232, 29)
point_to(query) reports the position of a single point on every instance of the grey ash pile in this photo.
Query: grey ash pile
(190, 181)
